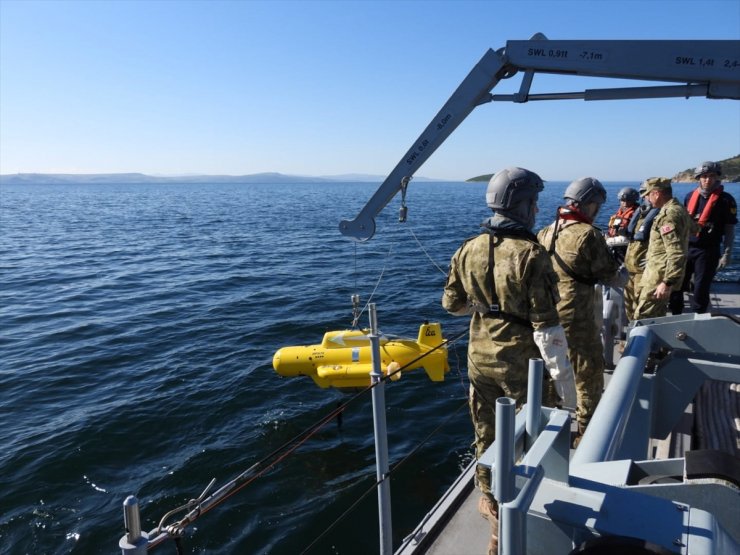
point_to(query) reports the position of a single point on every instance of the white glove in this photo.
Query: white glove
(724, 261)
(617, 241)
(554, 350)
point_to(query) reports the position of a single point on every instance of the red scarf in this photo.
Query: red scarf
(711, 201)
(572, 213)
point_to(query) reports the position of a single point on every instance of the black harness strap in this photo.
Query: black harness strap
(567, 269)
(494, 309)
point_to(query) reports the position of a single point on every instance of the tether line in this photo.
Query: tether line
(425, 252)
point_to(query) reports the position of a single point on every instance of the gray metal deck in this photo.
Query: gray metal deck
(454, 526)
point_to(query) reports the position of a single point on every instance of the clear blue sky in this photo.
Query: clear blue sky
(322, 88)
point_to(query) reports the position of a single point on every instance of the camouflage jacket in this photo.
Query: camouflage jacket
(526, 288)
(583, 249)
(668, 246)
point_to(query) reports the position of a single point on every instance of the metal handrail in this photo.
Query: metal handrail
(605, 431)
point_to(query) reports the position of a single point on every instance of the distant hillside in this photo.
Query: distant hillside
(101, 178)
(486, 177)
(730, 171)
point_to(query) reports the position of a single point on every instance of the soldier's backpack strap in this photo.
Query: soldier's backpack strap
(494, 309)
(563, 266)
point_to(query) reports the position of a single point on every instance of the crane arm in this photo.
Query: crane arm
(472, 91)
(703, 68)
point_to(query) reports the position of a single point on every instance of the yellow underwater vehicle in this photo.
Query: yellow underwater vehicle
(343, 358)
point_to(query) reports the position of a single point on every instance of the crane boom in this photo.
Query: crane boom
(708, 68)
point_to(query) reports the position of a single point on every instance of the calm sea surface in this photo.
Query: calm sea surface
(137, 329)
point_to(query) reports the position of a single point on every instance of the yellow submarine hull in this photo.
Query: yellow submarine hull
(343, 358)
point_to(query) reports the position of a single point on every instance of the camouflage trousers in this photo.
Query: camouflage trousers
(485, 387)
(586, 355)
(648, 306)
(632, 295)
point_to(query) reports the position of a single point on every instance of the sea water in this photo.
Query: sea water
(137, 328)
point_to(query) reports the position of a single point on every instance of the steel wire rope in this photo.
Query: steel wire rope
(377, 284)
(372, 488)
(421, 246)
(411, 230)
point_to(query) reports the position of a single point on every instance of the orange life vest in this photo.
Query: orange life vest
(707, 212)
(619, 221)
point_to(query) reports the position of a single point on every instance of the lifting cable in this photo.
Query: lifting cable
(357, 315)
(200, 506)
(425, 251)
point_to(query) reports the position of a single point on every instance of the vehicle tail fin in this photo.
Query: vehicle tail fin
(436, 366)
(435, 363)
(430, 334)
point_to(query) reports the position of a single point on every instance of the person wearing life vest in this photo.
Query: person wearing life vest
(635, 259)
(581, 259)
(667, 250)
(617, 233)
(503, 279)
(715, 212)
(629, 200)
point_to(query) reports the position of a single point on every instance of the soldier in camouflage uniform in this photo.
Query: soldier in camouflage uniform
(639, 233)
(503, 278)
(581, 259)
(667, 250)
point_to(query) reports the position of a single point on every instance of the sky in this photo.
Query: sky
(334, 87)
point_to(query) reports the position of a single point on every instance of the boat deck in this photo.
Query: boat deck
(454, 525)
(725, 298)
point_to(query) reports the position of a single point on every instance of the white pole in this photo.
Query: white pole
(134, 541)
(381, 439)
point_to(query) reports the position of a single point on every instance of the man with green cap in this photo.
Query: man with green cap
(667, 250)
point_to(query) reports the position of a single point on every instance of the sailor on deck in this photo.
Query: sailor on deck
(667, 249)
(715, 212)
(582, 259)
(504, 279)
(617, 231)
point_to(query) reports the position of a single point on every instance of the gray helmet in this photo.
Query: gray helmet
(586, 190)
(628, 194)
(513, 193)
(708, 167)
